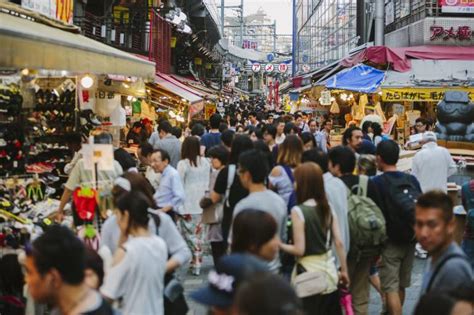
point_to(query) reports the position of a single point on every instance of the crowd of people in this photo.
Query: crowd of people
(294, 224)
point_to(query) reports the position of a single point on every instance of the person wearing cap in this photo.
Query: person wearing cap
(231, 272)
(433, 164)
(134, 135)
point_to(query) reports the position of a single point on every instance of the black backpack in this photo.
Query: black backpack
(400, 207)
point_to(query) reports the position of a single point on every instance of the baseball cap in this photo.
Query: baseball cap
(428, 136)
(230, 272)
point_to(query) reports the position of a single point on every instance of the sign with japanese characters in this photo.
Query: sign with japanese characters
(256, 67)
(269, 67)
(440, 33)
(282, 67)
(56, 9)
(457, 6)
(419, 94)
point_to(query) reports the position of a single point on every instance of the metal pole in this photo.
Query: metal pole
(222, 17)
(241, 23)
(293, 45)
(274, 35)
(379, 22)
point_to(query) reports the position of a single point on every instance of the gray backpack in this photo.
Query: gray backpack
(366, 222)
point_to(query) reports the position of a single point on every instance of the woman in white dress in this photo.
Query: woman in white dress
(194, 171)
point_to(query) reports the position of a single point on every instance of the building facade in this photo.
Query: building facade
(429, 22)
(325, 31)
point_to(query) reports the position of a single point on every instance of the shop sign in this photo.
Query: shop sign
(198, 61)
(256, 67)
(248, 44)
(325, 98)
(461, 32)
(269, 68)
(282, 67)
(56, 9)
(420, 95)
(457, 6)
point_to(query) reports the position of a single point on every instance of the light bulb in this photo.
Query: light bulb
(129, 98)
(87, 82)
(25, 72)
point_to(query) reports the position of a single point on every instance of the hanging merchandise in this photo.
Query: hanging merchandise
(136, 107)
(85, 201)
(379, 111)
(334, 108)
(363, 100)
(89, 235)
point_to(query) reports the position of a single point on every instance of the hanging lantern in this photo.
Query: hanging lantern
(198, 61)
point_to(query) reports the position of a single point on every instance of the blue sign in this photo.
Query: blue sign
(270, 57)
(305, 58)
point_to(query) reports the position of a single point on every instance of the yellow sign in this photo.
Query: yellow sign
(121, 14)
(209, 110)
(420, 94)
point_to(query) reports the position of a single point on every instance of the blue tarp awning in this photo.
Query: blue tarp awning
(360, 78)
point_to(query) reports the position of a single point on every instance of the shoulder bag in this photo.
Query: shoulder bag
(309, 283)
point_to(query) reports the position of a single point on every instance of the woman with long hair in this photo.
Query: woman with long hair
(378, 136)
(139, 264)
(194, 171)
(281, 177)
(314, 229)
(255, 232)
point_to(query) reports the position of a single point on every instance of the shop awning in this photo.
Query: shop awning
(209, 94)
(398, 58)
(360, 78)
(162, 82)
(28, 44)
(433, 73)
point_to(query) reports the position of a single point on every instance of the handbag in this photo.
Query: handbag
(309, 283)
(209, 214)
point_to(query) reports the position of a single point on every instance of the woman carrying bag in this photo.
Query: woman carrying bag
(315, 228)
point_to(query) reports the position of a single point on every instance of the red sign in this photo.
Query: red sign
(282, 67)
(457, 6)
(460, 33)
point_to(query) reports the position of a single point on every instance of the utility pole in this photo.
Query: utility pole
(222, 17)
(241, 23)
(293, 46)
(379, 22)
(274, 35)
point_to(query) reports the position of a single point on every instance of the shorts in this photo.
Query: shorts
(396, 266)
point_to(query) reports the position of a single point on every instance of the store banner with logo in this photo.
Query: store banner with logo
(420, 94)
(56, 9)
(457, 6)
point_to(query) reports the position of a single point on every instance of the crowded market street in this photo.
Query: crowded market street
(236, 157)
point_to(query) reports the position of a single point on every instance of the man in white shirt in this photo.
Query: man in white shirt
(432, 165)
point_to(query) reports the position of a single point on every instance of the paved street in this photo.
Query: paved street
(193, 282)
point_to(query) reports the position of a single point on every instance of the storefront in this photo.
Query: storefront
(54, 81)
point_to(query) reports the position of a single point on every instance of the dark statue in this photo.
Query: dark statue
(455, 117)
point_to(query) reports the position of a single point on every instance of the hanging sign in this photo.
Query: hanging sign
(100, 154)
(269, 68)
(420, 95)
(282, 67)
(457, 6)
(325, 98)
(256, 67)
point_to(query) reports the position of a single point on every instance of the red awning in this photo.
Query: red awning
(399, 57)
(180, 85)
